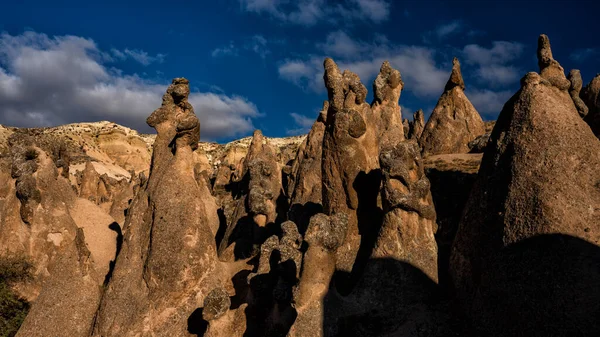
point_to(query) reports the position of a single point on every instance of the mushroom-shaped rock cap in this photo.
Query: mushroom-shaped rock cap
(328, 232)
(456, 79)
(388, 84)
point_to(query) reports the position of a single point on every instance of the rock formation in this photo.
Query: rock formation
(387, 88)
(591, 97)
(532, 223)
(575, 90)
(349, 168)
(454, 121)
(305, 189)
(417, 125)
(167, 263)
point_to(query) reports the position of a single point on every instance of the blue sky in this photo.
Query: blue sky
(258, 63)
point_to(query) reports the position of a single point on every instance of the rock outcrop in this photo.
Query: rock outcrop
(387, 88)
(305, 186)
(350, 170)
(168, 260)
(575, 90)
(417, 125)
(591, 96)
(454, 121)
(530, 232)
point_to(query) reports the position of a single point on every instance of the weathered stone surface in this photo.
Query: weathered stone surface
(417, 125)
(409, 216)
(591, 96)
(575, 90)
(454, 121)
(550, 69)
(349, 168)
(306, 192)
(533, 210)
(387, 88)
(168, 259)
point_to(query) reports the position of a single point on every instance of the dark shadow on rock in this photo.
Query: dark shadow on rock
(370, 217)
(548, 285)
(222, 227)
(450, 190)
(301, 214)
(114, 227)
(196, 324)
(392, 298)
(270, 312)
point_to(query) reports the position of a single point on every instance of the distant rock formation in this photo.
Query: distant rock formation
(454, 121)
(168, 258)
(591, 96)
(417, 125)
(575, 91)
(387, 88)
(532, 223)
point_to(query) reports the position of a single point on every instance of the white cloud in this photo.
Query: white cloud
(416, 64)
(49, 81)
(311, 12)
(493, 63)
(302, 124)
(448, 29)
(229, 50)
(143, 57)
(487, 102)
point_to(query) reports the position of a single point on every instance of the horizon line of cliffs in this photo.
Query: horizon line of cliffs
(373, 226)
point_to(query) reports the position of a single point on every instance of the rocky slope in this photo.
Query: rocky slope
(367, 226)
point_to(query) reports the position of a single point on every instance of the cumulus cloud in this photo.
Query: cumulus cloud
(416, 64)
(311, 12)
(302, 124)
(492, 63)
(487, 102)
(55, 80)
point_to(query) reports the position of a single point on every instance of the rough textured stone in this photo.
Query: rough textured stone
(550, 69)
(417, 125)
(536, 195)
(454, 121)
(216, 304)
(387, 88)
(591, 96)
(575, 91)
(306, 192)
(349, 165)
(168, 257)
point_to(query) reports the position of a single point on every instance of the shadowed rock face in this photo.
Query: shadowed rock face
(306, 193)
(454, 121)
(168, 258)
(575, 90)
(538, 177)
(591, 96)
(351, 137)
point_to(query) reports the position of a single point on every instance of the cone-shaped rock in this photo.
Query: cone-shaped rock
(387, 88)
(575, 91)
(591, 97)
(306, 194)
(454, 122)
(525, 257)
(349, 145)
(167, 263)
